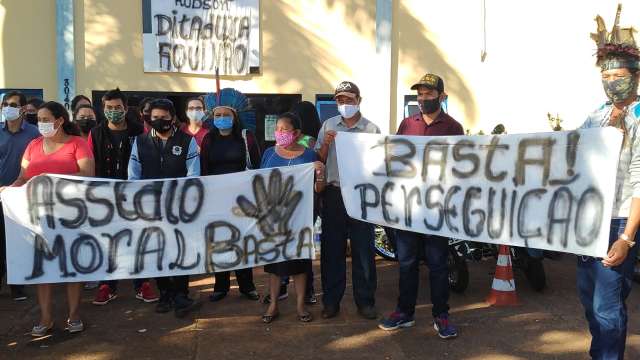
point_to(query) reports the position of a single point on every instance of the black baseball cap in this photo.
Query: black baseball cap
(431, 81)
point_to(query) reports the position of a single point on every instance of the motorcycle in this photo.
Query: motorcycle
(385, 246)
(527, 260)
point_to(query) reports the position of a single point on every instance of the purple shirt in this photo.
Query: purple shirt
(442, 125)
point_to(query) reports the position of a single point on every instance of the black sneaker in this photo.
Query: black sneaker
(217, 296)
(368, 312)
(165, 304)
(183, 305)
(330, 311)
(283, 294)
(251, 295)
(17, 294)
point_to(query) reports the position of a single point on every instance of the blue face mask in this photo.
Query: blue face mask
(223, 122)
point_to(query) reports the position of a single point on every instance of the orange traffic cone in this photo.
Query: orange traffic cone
(503, 289)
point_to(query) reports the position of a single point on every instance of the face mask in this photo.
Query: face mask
(348, 111)
(32, 118)
(10, 113)
(195, 115)
(620, 90)
(285, 138)
(86, 124)
(161, 125)
(223, 122)
(430, 106)
(114, 116)
(47, 129)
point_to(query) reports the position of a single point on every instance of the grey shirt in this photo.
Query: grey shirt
(337, 124)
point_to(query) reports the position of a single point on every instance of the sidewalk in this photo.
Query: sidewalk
(550, 325)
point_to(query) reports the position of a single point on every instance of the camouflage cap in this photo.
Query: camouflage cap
(431, 81)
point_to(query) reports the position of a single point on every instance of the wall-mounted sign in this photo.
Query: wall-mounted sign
(198, 36)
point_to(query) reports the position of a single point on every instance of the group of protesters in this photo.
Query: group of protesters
(42, 137)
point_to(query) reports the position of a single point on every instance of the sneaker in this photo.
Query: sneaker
(74, 326)
(444, 328)
(330, 311)
(183, 305)
(17, 294)
(396, 321)
(368, 312)
(146, 293)
(90, 285)
(311, 299)
(251, 295)
(165, 304)
(217, 296)
(282, 295)
(41, 330)
(104, 295)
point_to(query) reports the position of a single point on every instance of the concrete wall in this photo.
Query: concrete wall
(539, 54)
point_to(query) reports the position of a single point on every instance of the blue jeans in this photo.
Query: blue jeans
(409, 245)
(337, 227)
(603, 292)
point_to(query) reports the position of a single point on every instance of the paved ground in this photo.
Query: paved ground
(546, 326)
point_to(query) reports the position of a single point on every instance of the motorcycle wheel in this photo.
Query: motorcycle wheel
(458, 271)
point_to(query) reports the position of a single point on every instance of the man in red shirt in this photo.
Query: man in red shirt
(431, 121)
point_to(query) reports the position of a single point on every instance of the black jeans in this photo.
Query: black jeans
(337, 227)
(3, 254)
(173, 285)
(243, 276)
(436, 249)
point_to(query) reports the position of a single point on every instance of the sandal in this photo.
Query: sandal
(306, 317)
(41, 330)
(267, 319)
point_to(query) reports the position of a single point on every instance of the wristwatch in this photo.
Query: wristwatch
(626, 239)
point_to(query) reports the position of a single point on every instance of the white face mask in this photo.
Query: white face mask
(348, 111)
(47, 129)
(195, 115)
(10, 113)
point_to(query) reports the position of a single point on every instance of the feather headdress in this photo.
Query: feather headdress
(617, 48)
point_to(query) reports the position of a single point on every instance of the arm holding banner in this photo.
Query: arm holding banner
(620, 249)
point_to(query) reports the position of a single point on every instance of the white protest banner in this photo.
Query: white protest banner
(198, 36)
(550, 191)
(68, 229)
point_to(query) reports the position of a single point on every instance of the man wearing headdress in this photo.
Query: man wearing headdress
(604, 284)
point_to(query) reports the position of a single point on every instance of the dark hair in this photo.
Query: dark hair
(196, 98)
(58, 111)
(114, 95)
(35, 102)
(12, 93)
(144, 103)
(163, 104)
(76, 99)
(83, 106)
(293, 119)
(309, 119)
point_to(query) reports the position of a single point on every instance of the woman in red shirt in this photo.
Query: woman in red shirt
(60, 150)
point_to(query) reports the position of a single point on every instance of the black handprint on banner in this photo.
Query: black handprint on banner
(274, 207)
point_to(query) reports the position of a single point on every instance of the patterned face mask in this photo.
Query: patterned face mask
(622, 89)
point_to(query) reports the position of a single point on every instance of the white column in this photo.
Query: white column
(384, 27)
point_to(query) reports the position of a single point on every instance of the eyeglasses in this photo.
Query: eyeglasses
(13, 105)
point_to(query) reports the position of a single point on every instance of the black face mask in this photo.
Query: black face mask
(86, 125)
(31, 118)
(161, 125)
(430, 106)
